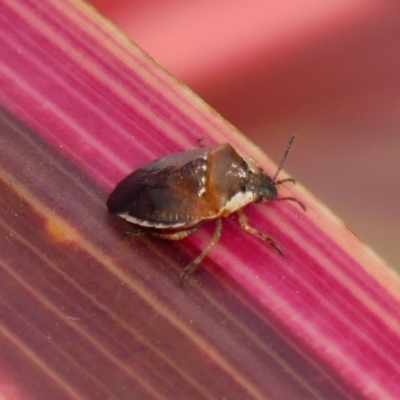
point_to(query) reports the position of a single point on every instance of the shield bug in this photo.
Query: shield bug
(171, 197)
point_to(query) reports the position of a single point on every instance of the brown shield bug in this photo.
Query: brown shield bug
(171, 197)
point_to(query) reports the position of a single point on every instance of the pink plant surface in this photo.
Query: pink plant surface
(88, 313)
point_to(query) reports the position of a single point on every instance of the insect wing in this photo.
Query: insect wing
(164, 193)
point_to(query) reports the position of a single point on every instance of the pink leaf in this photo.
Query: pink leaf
(89, 313)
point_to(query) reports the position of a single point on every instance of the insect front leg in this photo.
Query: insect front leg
(195, 263)
(244, 225)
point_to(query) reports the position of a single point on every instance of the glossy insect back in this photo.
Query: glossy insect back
(171, 197)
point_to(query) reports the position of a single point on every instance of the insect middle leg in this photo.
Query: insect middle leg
(244, 225)
(195, 263)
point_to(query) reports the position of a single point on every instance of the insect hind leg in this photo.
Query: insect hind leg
(195, 263)
(245, 226)
(178, 235)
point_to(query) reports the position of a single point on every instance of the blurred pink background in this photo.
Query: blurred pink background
(327, 71)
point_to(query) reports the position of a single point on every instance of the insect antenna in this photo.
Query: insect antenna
(289, 145)
(291, 180)
(301, 204)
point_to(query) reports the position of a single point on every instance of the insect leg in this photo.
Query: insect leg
(244, 225)
(178, 235)
(201, 141)
(135, 232)
(194, 264)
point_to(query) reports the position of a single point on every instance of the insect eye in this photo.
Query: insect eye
(258, 198)
(243, 185)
